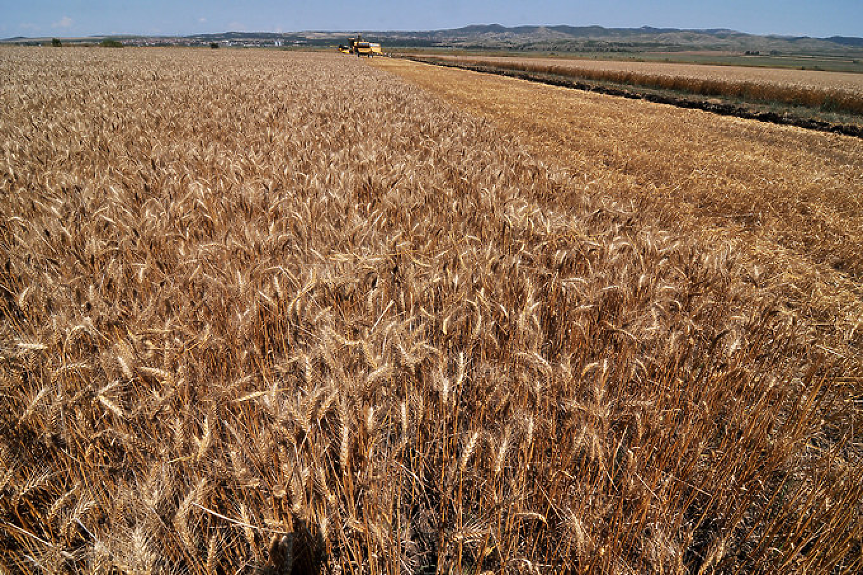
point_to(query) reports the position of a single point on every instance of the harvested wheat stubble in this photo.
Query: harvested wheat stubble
(690, 100)
(816, 89)
(285, 310)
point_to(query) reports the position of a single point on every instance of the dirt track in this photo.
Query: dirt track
(793, 196)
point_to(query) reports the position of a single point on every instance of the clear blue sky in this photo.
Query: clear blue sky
(94, 17)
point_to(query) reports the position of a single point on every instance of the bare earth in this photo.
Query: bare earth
(793, 196)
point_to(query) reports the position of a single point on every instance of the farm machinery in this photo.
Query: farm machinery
(360, 47)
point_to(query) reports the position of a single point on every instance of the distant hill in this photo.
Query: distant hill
(563, 38)
(846, 41)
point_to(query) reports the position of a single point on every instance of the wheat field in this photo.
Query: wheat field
(288, 313)
(789, 199)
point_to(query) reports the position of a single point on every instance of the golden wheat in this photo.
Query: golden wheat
(285, 311)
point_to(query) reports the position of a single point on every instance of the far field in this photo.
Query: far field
(813, 62)
(832, 96)
(806, 79)
(851, 63)
(816, 62)
(298, 313)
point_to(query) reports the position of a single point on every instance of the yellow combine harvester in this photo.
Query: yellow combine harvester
(360, 47)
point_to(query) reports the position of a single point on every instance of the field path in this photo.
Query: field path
(793, 198)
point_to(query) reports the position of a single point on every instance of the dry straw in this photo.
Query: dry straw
(318, 303)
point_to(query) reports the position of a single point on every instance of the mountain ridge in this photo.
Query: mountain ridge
(563, 37)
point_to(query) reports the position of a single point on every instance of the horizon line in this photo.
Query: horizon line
(407, 31)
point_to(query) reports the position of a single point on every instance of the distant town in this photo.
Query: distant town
(227, 40)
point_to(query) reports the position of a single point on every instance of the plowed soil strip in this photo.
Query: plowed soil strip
(792, 197)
